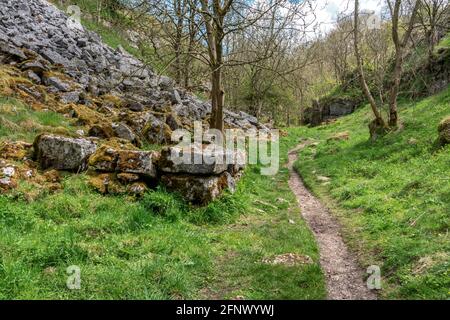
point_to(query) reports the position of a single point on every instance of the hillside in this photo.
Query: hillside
(94, 178)
(130, 242)
(392, 196)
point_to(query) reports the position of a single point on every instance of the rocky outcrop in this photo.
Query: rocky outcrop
(63, 153)
(328, 109)
(39, 38)
(198, 174)
(118, 104)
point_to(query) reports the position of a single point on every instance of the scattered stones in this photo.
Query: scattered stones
(15, 150)
(57, 83)
(70, 97)
(63, 153)
(112, 95)
(288, 259)
(341, 136)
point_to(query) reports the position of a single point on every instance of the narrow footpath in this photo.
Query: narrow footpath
(344, 278)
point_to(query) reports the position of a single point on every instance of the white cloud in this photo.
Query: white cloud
(327, 11)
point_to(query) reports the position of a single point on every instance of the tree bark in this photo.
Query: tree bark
(399, 51)
(364, 85)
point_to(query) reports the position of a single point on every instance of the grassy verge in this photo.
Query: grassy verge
(157, 247)
(392, 196)
(20, 122)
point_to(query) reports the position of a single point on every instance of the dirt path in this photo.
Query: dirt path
(345, 280)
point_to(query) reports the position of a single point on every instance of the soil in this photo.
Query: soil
(344, 277)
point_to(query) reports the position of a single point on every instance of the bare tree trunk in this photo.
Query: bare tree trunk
(217, 100)
(399, 50)
(179, 7)
(364, 85)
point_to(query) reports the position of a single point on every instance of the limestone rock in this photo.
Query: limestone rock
(198, 189)
(137, 188)
(192, 160)
(140, 162)
(57, 83)
(63, 153)
(104, 159)
(122, 131)
(157, 131)
(127, 177)
(17, 150)
(70, 97)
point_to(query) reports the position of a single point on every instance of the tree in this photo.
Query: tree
(379, 120)
(220, 19)
(433, 17)
(400, 43)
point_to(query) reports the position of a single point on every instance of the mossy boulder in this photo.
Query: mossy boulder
(158, 132)
(17, 150)
(173, 121)
(199, 189)
(104, 159)
(106, 183)
(63, 153)
(444, 131)
(138, 162)
(124, 158)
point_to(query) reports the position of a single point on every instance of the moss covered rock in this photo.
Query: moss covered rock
(63, 153)
(444, 131)
(199, 189)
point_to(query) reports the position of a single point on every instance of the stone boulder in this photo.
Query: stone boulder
(199, 189)
(157, 131)
(341, 107)
(139, 162)
(444, 131)
(104, 159)
(193, 160)
(63, 153)
(110, 159)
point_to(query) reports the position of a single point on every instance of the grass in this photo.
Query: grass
(157, 247)
(392, 196)
(19, 122)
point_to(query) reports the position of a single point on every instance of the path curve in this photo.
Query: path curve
(344, 278)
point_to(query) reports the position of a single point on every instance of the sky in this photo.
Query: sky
(328, 10)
